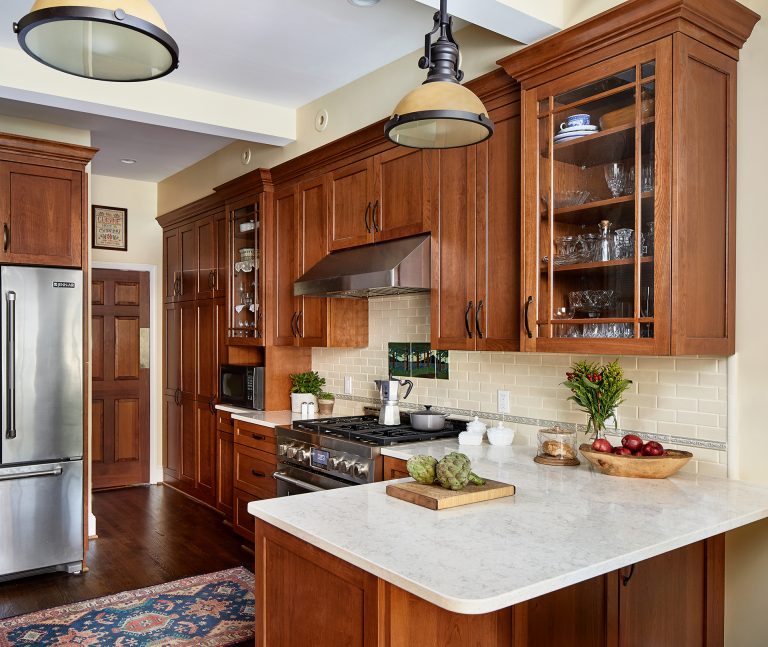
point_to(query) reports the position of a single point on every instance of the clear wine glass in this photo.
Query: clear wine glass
(616, 178)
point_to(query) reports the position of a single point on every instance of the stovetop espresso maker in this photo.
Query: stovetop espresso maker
(389, 392)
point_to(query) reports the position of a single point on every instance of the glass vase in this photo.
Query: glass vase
(596, 428)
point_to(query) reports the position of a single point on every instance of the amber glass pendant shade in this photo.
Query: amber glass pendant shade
(108, 40)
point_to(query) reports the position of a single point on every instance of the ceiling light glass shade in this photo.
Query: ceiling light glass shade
(439, 114)
(108, 40)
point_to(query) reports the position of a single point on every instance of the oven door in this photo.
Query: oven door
(293, 480)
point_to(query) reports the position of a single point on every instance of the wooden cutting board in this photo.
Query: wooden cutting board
(435, 497)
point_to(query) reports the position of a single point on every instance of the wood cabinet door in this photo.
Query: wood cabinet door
(171, 264)
(394, 468)
(285, 267)
(207, 351)
(225, 456)
(205, 243)
(350, 203)
(187, 313)
(188, 263)
(453, 251)
(188, 443)
(497, 311)
(171, 438)
(402, 193)
(172, 345)
(205, 453)
(220, 263)
(41, 215)
(220, 328)
(312, 241)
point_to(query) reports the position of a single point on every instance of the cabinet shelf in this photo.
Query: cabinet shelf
(597, 265)
(611, 145)
(586, 214)
(594, 320)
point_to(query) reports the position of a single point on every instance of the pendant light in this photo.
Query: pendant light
(441, 113)
(108, 40)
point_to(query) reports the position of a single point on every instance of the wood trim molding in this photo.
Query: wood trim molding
(46, 149)
(724, 25)
(255, 181)
(194, 209)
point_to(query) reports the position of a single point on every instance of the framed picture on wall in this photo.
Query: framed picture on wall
(109, 228)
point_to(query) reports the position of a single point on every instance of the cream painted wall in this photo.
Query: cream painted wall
(145, 247)
(30, 128)
(350, 108)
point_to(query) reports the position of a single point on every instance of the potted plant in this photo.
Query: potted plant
(325, 402)
(598, 391)
(305, 387)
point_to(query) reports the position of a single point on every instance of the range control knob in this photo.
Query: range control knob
(346, 467)
(335, 463)
(291, 451)
(360, 470)
(282, 449)
(302, 456)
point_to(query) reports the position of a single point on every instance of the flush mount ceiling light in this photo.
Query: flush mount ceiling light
(108, 40)
(441, 113)
(363, 3)
(128, 161)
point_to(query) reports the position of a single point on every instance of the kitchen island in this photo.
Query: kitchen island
(555, 564)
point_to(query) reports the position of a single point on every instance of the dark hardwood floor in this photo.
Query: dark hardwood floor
(147, 535)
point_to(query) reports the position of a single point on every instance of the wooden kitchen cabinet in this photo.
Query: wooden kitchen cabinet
(394, 468)
(211, 241)
(380, 198)
(225, 460)
(657, 170)
(476, 237)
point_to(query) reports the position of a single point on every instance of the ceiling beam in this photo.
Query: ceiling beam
(159, 102)
(520, 20)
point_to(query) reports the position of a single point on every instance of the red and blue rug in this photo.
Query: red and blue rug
(211, 610)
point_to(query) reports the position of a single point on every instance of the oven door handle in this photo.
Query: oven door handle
(281, 476)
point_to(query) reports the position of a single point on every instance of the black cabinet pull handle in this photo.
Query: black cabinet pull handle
(212, 279)
(367, 212)
(299, 325)
(261, 475)
(6, 236)
(478, 327)
(177, 396)
(466, 319)
(626, 578)
(293, 324)
(373, 218)
(257, 437)
(527, 325)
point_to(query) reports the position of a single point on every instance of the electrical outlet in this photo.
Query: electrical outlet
(347, 385)
(503, 402)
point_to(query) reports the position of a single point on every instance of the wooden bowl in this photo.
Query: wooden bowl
(645, 467)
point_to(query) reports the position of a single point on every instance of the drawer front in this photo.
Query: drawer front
(256, 436)
(243, 522)
(224, 421)
(253, 472)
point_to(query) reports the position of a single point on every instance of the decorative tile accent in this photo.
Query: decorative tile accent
(399, 359)
(417, 359)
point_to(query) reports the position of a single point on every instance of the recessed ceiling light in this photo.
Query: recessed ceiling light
(128, 161)
(363, 3)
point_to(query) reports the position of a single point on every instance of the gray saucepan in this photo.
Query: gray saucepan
(427, 420)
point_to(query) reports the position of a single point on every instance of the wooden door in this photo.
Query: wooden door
(187, 344)
(497, 311)
(350, 203)
(171, 437)
(41, 215)
(171, 265)
(120, 374)
(205, 253)
(312, 246)
(453, 251)
(205, 453)
(188, 262)
(207, 351)
(220, 264)
(285, 267)
(402, 193)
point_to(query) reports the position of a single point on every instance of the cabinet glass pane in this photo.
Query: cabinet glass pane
(596, 274)
(648, 69)
(246, 315)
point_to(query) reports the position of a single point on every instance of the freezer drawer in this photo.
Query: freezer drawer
(41, 516)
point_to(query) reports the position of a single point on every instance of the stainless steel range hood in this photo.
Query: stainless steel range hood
(383, 269)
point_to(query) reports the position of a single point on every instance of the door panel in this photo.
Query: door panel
(188, 262)
(172, 331)
(312, 247)
(402, 206)
(205, 238)
(349, 206)
(220, 265)
(171, 438)
(120, 386)
(188, 464)
(285, 266)
(225, 452)
(206, 350)
(187, 348)
(206, 454)
(172, 267)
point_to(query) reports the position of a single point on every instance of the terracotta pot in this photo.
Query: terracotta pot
(325, 407)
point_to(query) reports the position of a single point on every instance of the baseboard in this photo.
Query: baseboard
(91, 525)
(156, 474)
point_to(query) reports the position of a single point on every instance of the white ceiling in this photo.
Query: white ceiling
(280, 53)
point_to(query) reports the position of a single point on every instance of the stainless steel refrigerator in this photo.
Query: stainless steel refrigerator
(41, 453)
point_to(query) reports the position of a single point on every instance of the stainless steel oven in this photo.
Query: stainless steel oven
(294, 480)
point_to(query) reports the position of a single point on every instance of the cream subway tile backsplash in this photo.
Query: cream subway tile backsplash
(682, 402)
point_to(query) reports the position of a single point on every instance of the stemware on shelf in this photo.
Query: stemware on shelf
(616, 178)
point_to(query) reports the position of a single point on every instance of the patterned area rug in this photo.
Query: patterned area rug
(211, 610)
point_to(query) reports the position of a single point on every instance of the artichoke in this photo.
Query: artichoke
(454, 471)
(422, 468)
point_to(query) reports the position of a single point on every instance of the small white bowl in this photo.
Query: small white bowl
(469, 438)
(501, 435)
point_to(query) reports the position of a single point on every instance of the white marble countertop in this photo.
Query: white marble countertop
(265, 418)
(563, 526)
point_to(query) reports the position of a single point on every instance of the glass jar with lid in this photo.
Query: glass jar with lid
(557, 446)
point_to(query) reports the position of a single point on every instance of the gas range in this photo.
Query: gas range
(335, 452)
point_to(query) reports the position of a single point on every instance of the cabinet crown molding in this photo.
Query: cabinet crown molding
(46, 149)
(724, 25)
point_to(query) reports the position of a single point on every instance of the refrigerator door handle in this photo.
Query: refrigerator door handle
(56, 471)
(10, 432)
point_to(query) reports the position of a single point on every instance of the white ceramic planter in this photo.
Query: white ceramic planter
(298, 398)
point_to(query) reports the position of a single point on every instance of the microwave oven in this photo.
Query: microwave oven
(242, 386)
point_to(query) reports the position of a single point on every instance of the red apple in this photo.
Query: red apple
(632, 443)
(622, 451)
(602, 445)
(639, 452)
(652, 448)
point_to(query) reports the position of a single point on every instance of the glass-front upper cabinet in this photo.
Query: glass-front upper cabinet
(246, 285)
(595, 226)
